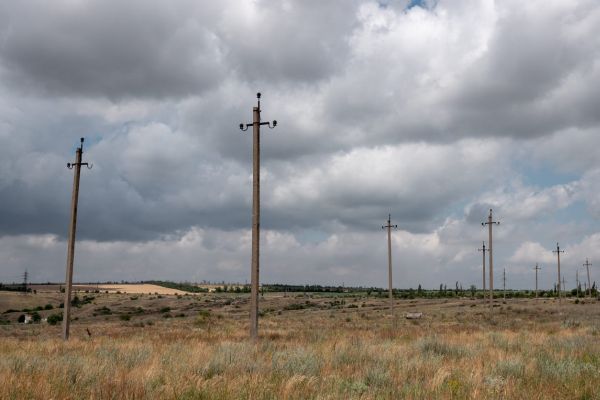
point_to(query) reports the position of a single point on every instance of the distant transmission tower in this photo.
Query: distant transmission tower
(25, 276)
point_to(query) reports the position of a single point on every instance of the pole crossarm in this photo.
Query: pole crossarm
(255, 261)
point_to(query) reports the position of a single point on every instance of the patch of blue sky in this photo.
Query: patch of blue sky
(543, 174)
(311, 236)
(425, 4)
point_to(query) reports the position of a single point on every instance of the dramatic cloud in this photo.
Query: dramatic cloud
(432, 111)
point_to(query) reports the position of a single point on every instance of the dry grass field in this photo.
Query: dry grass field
(311, 347)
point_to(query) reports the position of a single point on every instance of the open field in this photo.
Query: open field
(325, 346)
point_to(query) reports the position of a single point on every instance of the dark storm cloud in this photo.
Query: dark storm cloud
(109, 48)
(419, 112)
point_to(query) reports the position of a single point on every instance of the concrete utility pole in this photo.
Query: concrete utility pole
(558, 251)
(256, 124)
(536, 279)
(504, 283)
(587, 266)
(563, 284)
(389, 227)
(483, 250)
(577, 281)
(76, 166)
(490, 222)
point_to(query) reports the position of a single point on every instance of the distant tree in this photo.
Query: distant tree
(473, 290)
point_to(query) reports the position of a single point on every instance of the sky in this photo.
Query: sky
(431, 111)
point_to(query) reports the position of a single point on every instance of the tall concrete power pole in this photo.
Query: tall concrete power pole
(76, 166)
(389, 227)
(587, 265)
(536, 280)
(490, 222)
(558, 251)
(483, 250)
(254, 276)
(504, 283)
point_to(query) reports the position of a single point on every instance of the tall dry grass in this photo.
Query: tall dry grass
(313, 357)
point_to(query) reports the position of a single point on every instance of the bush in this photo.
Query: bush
(124, 317)
(21, 318)
(48, 307)
(165, 309)
(54, 318)
(36, 317)
(103, 310)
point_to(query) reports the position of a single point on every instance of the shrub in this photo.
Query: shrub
(165, 309)
(124, 317)
(54, 318)
(48, 307)
(21, 318)
(103, 310)
(36, 317)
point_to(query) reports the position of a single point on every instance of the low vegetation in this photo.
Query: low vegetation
(314, 346)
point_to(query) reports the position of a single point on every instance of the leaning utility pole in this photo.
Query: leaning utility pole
(389, 227)
(558, 251)
(536, 280)
(490, 222)
(483, 250)
(587, 266)
(255, 214)
(71, 249)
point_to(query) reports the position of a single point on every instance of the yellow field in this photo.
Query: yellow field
(141, 288)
